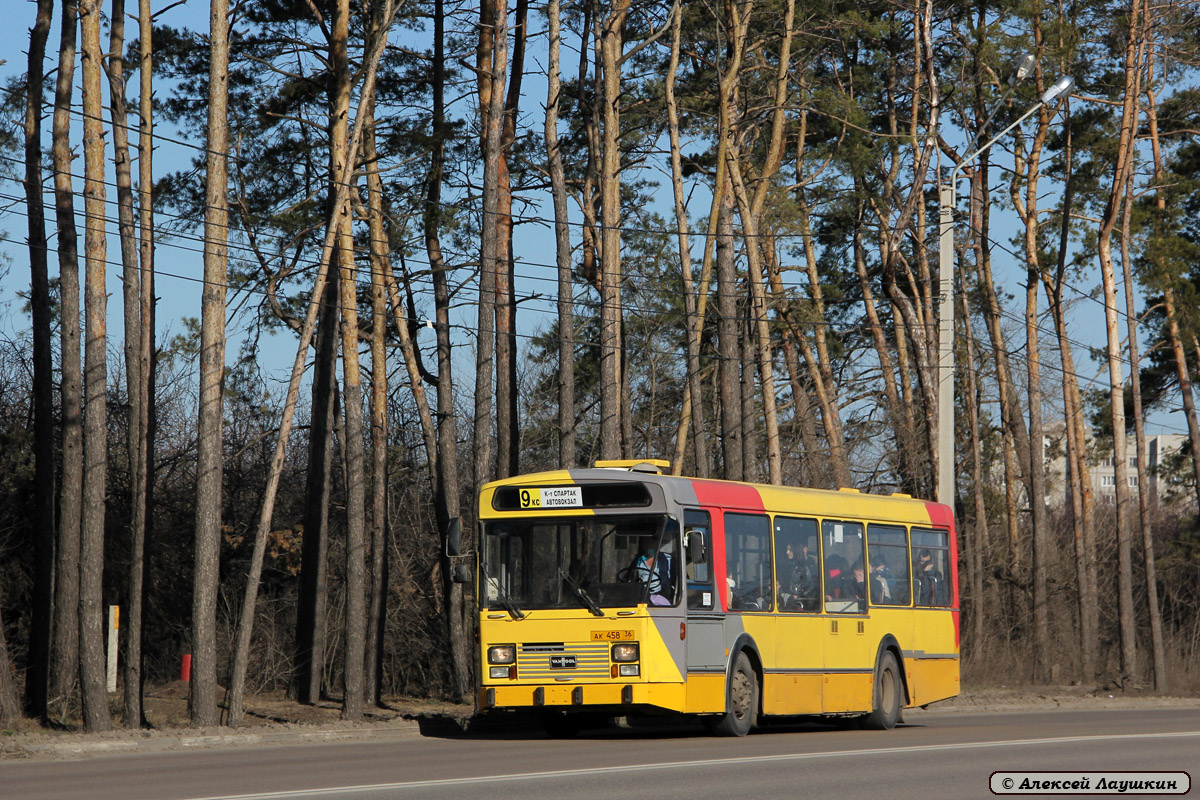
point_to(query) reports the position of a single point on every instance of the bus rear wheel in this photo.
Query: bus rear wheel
(741, 701)
(888, 691)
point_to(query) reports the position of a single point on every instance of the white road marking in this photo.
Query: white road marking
(667, 765)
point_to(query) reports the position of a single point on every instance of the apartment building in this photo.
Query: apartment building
(1102, 470)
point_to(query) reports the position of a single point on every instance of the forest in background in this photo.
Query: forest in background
(509, 238)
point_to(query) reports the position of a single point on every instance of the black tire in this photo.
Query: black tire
(888, 694)
(741, 701)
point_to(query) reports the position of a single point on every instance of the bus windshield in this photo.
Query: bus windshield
(583, 563)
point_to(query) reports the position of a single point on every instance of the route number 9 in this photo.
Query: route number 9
(531, 498)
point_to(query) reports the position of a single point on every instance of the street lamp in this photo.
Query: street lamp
(946, 201)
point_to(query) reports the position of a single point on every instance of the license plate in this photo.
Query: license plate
(611, 636)
(562, 662)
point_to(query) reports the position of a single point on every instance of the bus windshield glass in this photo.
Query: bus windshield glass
(583, 563)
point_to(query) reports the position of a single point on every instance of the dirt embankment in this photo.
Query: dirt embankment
(1002, 698)
(270, 717)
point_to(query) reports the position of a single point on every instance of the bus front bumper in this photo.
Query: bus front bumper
(562, 696)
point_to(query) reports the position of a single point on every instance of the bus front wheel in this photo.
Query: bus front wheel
(887, 696)
(741, 701)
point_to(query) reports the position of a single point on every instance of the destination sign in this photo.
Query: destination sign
(554, 497)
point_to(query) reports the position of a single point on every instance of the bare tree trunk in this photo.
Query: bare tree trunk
(1121, 175)
(352, 446)
(806, 459)
(65, 650)
(380, 250)
(353, 450)
(717, 214)
(1158, 651)
(902, 424)
(508, 431)
(377, 556)
(95, 445)
(446, 488)
(1078, 471)
(729, 359)
(892, 231)
(37, 670)
(611, 49)
(1028, 171)
(979, 524)
(820, 363)
(756, 243)
(341, 184)
(10, 707)
(1015, 434)
(750, 412)
(562, 246)
(760, 333)
(146, 356)
(131, 630)
(1037, 462)
(492, 65)
(311, 609)
(212, 365)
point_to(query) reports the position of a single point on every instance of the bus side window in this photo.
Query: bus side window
(748, 562)
(797, 564)
(931, 567)
(887, 560)
(842, 545)
(697, 549)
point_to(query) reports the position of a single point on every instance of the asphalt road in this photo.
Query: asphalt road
(932, 755)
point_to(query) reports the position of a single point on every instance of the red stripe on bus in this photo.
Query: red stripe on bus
(727, 494)
(717, 497)
(941, 516)
(720, 586)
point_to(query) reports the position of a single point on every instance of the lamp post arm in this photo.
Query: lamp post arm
(978, 151)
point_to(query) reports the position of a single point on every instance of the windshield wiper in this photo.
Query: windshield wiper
(582, 594)
(503, 599)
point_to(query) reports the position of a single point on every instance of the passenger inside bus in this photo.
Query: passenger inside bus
(930, 590)
(836, 577)
(799, 578)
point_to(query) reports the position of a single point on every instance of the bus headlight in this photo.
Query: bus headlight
(629, 670)
(625, 652)
(502, 654)
(502, 672)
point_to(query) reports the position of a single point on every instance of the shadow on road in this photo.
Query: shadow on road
(507, 725)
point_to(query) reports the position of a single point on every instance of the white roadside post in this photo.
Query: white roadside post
(946, 203)
(114, 625)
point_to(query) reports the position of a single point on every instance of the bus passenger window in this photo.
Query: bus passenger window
(931, 562)
(887, 558)
(797, 564)
(845, 585)
(748, 562)
(697, 549)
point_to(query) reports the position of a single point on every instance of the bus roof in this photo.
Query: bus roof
(742, 496)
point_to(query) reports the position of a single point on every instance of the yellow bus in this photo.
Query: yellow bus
(621, 590)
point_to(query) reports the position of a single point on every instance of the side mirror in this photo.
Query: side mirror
(694, 542)
(454, 537)
(460, 574)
